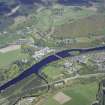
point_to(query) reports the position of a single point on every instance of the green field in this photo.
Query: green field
(9, 57)
(81, 94)
(53, 72)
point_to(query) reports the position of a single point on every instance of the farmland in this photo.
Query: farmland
(63, 15)
(83, 27)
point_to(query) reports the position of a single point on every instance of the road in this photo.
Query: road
(70, 78)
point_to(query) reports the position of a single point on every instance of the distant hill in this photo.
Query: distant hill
(13, 8)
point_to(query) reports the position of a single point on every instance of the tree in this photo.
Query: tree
(27, 49)
(13, 71)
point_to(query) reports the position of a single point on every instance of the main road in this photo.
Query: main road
(36, 68)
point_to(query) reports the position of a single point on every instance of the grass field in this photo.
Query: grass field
(9, 57)
(80, 94)
(52, 71)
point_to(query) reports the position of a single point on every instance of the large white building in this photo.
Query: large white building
(39, 54)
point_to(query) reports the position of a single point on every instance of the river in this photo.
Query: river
(36, 68)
